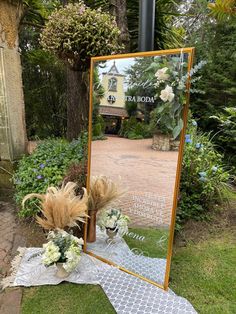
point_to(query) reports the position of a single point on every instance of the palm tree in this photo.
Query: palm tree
(127, 11)
(223, 9)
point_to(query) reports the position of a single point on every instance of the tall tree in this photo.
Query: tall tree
(127, 17)
(75, 33)
(118, 9)
(12, 132)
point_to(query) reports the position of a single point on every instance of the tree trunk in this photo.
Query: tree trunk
(12, 114)
(77, 103)
(118, 9)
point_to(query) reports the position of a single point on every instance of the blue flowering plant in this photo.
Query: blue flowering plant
(204, 179)
(46, 166)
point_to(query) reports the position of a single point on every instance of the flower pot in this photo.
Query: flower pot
(61, 272)
(91, 232)
(111, 234)
(161, 142)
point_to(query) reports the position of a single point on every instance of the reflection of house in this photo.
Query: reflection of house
(112, 105)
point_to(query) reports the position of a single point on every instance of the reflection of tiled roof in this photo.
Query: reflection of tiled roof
(112, 111)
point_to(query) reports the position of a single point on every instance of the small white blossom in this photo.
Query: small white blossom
(161, 74)
(51, 253)
(167, 94)
(114, 219)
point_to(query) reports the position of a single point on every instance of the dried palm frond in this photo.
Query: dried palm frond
(102, 193)
(60, 207)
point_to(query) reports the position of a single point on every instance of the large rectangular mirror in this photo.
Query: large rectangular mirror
(138, 115)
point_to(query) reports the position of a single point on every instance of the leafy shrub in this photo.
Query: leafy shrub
(101, 137)
(46, 166)
(133, 129)
(204, 180)
(100, 120)
(97, 129)
(225, 137)
(76, 32)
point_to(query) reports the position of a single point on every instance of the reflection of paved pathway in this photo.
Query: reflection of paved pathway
(148, 176)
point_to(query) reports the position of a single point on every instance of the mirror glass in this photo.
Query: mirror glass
(136, 124)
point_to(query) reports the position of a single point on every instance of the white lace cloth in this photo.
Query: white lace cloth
(132, 260)
(127, 294)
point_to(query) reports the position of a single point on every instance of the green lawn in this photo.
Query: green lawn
(66, 298)
(155, 243)
(203, 272)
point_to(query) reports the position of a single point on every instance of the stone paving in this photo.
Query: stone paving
(10, 299)
(147, 175)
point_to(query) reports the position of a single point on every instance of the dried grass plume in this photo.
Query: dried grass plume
(102, 193)
(60, 207)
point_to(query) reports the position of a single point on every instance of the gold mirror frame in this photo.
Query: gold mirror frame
(190, 52)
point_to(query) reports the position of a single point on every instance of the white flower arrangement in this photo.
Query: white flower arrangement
(162, 74)
(114, 220)
(167, 94)
(62, 248)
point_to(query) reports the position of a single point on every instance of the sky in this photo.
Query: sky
(121, 65)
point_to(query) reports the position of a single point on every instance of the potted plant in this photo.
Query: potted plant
(114, 222)
(102, 193)
(60, 208)
(64, 250)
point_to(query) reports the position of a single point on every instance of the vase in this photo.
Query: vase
(111, 234)
(61, 272)
(91, 232)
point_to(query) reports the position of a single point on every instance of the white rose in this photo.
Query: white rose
(161, 74)
(110, 224)
(167, 94)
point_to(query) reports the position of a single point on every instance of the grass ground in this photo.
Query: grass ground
(154, 244)
(203, 271)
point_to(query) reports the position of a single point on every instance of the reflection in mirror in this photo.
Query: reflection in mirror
(136, 125)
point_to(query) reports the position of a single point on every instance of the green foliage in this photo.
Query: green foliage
(44, 82)
(166, 35)
(97, 129)
(133, 129)
(223, 9)
(216, 43)
(46, 166)
(75, 33)
(204, 179)
(131, 106)
(226, 133)
(45, 94)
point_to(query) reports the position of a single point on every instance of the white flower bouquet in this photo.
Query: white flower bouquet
(114, 220)
(170, 83)
(64, 248)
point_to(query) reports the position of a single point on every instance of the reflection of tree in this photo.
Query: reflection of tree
(170, 89)
(98, 93)
(160, 76)
(141, 82)
(131, 106)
